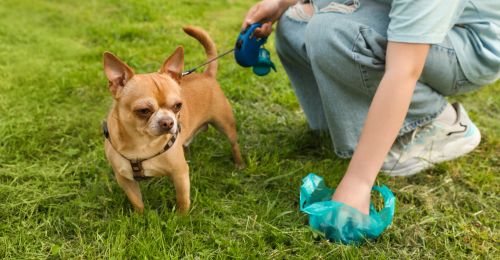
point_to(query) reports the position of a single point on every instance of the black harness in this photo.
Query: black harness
(136, 164)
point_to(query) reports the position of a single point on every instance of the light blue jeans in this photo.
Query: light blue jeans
(335, 62)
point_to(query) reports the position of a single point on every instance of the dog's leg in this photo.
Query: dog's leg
(225, 123)
(182, 189)
(132, 190)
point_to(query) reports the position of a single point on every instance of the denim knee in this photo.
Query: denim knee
(290, 38)
(282, 42)
(331, 43)
(328, 33)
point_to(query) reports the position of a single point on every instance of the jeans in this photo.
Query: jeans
(335, 61)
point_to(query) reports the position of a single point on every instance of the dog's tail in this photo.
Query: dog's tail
(209, 45)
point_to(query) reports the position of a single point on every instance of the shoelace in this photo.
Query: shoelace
(408, 140)
(405, 142)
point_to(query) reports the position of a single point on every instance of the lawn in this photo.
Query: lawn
(58, 196)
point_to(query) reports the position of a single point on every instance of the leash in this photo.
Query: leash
(187, 72)
(248, 52)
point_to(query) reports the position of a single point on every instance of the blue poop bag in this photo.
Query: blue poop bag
(264, 64)
(338, 221)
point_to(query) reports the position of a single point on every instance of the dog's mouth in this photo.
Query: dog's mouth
(173, 130)
(158, 131)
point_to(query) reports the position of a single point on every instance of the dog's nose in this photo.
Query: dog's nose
(166, 123)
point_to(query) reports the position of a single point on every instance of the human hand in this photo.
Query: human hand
(353, 192)
(265, 12)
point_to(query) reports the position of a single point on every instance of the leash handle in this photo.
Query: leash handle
(246, 49)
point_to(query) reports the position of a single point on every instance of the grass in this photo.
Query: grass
(58, 198)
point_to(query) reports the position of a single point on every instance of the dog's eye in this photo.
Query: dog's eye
(143, 112)
(177, 107)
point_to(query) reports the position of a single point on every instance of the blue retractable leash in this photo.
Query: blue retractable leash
(248, 52)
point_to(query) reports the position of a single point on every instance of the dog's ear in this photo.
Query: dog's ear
(117, 71)
(174, 65)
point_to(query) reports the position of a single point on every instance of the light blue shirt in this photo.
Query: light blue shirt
(473, 27)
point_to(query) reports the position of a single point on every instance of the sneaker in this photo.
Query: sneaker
(430, 144)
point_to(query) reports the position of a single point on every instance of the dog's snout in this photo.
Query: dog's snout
(166, 123)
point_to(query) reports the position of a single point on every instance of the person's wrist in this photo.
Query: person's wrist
(284, 4)
(364, 173)
(354, 192)
(351, 179)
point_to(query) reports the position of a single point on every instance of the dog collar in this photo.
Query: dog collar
(136, 164)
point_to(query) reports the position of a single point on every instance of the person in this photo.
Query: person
(375, 74)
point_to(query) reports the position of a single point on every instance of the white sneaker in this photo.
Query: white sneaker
(430, 144)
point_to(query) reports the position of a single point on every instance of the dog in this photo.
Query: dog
(155, 116)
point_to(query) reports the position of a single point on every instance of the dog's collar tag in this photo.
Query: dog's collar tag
(136, 164)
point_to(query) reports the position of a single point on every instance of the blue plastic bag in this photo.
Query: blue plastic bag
(338, 221)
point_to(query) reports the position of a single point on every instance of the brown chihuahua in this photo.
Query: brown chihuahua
(154, 115)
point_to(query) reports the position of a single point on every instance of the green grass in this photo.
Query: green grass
(59, 199)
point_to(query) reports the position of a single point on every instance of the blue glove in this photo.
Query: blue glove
(338, 221)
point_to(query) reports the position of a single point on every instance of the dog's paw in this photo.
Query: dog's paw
(183, 207)
(139, 209)
(240, 165)
(183, 211)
